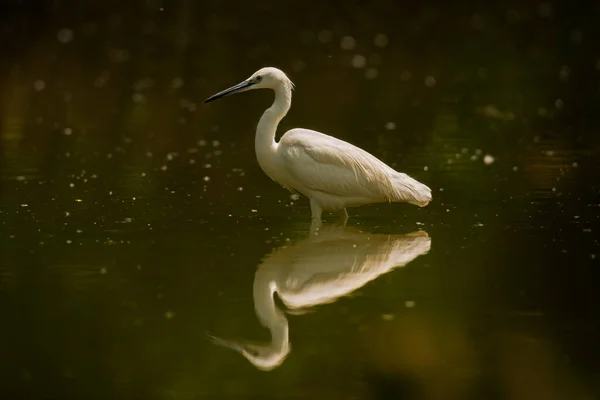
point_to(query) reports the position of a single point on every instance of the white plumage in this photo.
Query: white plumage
(333, 174)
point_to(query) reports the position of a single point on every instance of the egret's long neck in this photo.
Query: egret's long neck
(264, 142)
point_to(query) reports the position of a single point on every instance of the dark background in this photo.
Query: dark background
(124, 199)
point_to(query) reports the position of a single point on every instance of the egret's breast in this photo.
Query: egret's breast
(274, 169)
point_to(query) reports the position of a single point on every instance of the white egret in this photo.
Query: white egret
(332, 173)
(316, 271)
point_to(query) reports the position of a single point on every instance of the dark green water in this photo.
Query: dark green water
(138, 234)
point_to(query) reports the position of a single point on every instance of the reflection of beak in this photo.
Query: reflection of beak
(239, 87)
(225, 343)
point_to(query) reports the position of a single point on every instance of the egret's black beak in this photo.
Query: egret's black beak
(233, 89)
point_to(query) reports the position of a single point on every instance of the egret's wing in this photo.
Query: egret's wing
(326, 164)
(317, 273)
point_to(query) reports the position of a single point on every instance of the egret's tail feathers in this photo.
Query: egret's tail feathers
(410, 190)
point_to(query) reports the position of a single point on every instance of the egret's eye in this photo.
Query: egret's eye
(258, 78)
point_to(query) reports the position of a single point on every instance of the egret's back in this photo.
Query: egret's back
(335, 171)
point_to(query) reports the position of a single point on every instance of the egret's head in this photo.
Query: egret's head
(264, 78)
(270, 78)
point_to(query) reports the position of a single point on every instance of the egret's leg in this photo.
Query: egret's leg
(315, 226)
(316, 210)
(344, 216)
(315, 223)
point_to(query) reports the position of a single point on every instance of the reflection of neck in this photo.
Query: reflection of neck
(268, 314)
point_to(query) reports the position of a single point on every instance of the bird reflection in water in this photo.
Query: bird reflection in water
(319, 270)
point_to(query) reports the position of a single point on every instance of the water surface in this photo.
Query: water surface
(146, 255)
